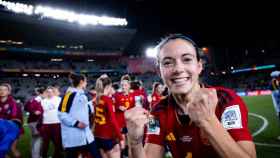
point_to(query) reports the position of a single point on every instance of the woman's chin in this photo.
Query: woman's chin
(180, 90)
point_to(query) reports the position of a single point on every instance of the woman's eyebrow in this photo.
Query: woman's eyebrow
(187, 54)
(167, 58)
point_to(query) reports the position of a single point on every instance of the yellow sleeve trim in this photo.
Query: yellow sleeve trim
(65, 100)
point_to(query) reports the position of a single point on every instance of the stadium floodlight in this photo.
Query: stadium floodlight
(83, 19)
(63, 14)
(151, 52)
(90, 60)
(104, 20)
(19, 43)
(56, 59)
(18, 7)
(55, 13)
(11, 42)
(60, 46)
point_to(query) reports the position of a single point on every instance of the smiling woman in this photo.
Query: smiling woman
(181, 67)
(213, 119)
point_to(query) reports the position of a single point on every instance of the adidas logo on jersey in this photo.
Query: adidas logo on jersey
(170, 137)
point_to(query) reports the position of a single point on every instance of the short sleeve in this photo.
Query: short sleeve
(234, 118)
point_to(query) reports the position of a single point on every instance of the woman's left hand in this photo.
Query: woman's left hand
(202, 106)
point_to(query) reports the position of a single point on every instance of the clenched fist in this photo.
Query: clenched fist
(136, 119)
(202, 106)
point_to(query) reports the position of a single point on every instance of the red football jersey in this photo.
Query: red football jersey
(187, 140)
(141, 93)
(123, 100)
(9, 110)
(106, 126)
(32, 106)
(155, 99)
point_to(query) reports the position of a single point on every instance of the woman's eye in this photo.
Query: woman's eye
(187, 60)
(167, 63)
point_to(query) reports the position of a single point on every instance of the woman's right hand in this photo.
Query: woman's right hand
(81, 125)
(136, 118)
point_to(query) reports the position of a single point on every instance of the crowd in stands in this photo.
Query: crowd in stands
(90, 65)
(249, 81)
(23, 86)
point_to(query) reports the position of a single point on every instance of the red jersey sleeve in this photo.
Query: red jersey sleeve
(234, 118)
(243, 133)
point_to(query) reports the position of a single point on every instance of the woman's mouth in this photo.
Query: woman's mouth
(180, 80)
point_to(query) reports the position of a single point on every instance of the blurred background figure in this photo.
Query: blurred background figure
(50, 129)
(158, 89)
(9, 132)
(9, 110)
(275, 87)
(56, 90)
(108, 135)
(139, 94)
(74, 114)
(35, 111)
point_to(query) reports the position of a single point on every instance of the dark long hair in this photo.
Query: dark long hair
(76, 78)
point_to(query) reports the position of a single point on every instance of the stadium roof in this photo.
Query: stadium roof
(231, 25)
(50, 33)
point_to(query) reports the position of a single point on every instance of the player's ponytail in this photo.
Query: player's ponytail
(101, 84)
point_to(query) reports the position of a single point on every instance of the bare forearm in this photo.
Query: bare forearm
(223, 143)
(136, 119)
